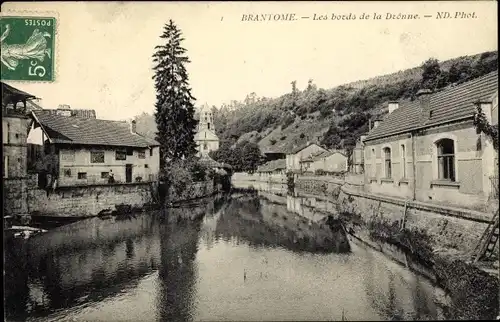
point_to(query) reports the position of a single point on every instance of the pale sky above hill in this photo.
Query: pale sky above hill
(104, 49)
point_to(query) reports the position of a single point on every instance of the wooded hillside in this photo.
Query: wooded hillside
(335, 117)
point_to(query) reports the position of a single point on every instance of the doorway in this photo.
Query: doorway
(128, 173)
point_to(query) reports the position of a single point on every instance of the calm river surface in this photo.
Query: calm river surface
(239, 262)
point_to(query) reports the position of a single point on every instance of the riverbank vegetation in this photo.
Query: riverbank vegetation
(474, 292)
(174, 116)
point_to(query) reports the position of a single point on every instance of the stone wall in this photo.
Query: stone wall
(14, 196)
(87, 201)
(450, 227)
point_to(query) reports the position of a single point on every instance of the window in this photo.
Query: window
(97, 157)
(141, 154)
(8, 133)
(150, 152)
(5, 166)
(104, 175)
(121, 155)
(446, 159)
(146, 166)
(403, 161)
(387, 162)
(82, 175)
(67, 172)
(205, 146)
(374, 164)
(208, 126)
(130, 151)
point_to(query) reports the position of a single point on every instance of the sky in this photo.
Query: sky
(104, 49)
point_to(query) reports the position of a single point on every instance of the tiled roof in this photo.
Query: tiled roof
(89, 131)
(302, 147)
(211, 163)
(452, 103)
(272, 166)
(326, 154)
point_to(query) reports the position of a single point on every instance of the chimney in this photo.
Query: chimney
(376, 123)
(133, 127)
(394, 105)
(424, 97)
(64, 110)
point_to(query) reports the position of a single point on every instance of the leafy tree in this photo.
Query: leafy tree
(332, 138)
(431, 71)
(174, 103)
(251, 156)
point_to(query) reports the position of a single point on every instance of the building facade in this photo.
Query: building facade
(428, 150)
(86, 151)
(206, 138)
(15, 125)
(358, 160)
(294, 158)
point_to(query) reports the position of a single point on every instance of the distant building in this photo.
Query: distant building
(428, 149)
(327, 161)
(86, 151)
(303, 152)
(273, 167)
(272, 155)
(205, 137)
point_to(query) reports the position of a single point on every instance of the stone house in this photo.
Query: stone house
(428, 149)
(205, 137)
(15, 125)
(87, 151)
(274, 167)
(294, 157)
(335, 161)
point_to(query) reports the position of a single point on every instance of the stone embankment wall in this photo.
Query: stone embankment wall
(86, 201)
(259, 177)
(89, 201)
(449, 227)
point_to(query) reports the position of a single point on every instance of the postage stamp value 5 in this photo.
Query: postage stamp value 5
(27, 48)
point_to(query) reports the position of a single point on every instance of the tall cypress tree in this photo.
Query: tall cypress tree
(174, 103)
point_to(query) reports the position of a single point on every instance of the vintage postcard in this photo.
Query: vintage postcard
(250, 161)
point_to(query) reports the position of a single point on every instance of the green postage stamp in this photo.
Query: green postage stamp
(28, 48)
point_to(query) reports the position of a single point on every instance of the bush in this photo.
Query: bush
(283, 138)
(287, 120)
(302, 135)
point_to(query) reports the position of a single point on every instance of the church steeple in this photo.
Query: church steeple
(206, 119)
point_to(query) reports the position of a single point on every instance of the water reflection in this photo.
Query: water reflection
(247, 258)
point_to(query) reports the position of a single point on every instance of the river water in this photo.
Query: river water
(245, 259)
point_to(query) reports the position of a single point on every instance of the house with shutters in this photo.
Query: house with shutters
(428, 149)
(83, 150)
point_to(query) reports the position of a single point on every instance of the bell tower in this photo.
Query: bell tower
(206, 120)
